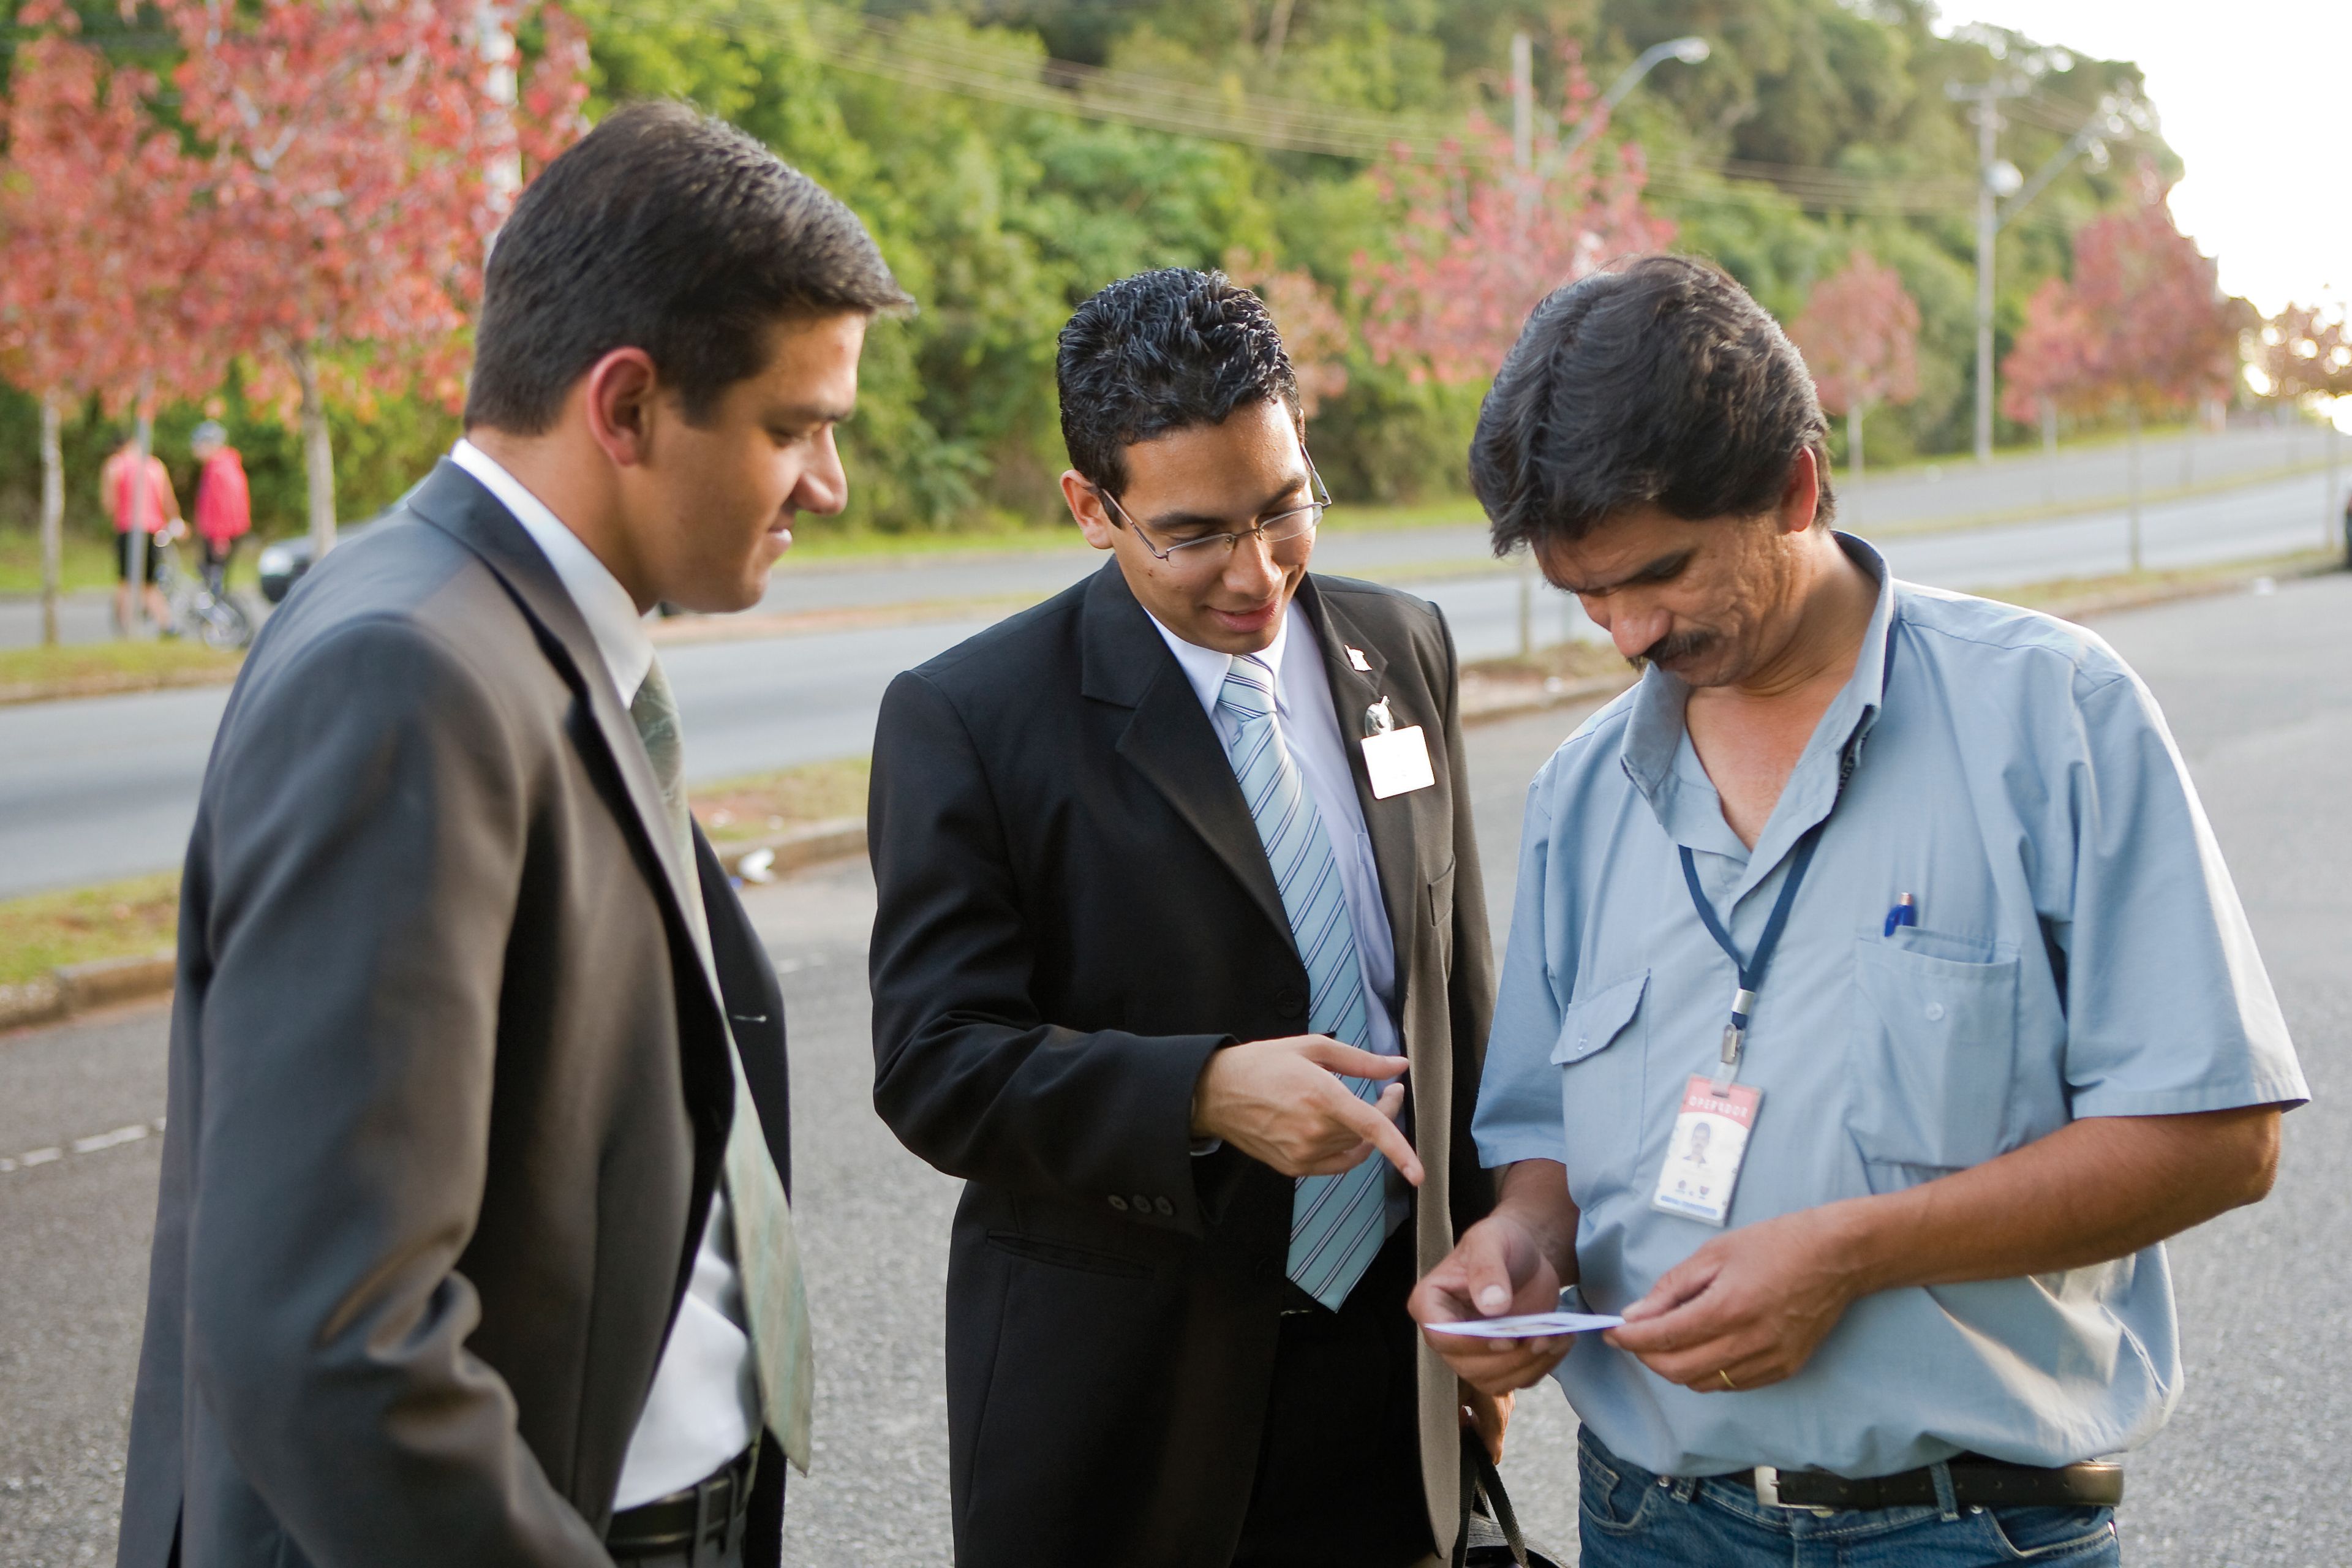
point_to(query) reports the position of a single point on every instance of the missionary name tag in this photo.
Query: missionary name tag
(1703, 1156)
(1396, 761)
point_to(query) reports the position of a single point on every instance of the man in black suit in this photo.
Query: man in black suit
(1160, 861)
(472, 1245)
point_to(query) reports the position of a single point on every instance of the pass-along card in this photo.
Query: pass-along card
(1397, 761)
(1530, 1325)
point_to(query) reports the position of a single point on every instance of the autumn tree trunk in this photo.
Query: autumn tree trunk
(2134, 487)
(317, 454)
(2048, 452)
(53, 517)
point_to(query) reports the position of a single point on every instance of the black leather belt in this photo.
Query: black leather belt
(699, 1524)
(1977, 1481)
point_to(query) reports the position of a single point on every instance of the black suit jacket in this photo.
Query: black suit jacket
(449, 1080)
(1076, 910)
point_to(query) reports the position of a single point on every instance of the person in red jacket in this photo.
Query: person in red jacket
(224, 504)
(154, 506)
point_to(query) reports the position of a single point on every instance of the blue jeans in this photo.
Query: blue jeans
(1633, 1518)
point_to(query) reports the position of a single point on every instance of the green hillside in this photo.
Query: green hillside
(1013, 155)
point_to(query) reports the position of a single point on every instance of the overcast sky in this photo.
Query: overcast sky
(2256, 97)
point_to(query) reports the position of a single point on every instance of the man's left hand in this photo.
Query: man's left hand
(1747, 1310)
(1488, 1415)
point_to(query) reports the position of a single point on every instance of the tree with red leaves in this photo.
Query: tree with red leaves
(1481, 242)
(97, 208)
(1313, 333)
(360, 154)
(2304, 354)
(2046, 365)
(2143, 329)
(1860, 335)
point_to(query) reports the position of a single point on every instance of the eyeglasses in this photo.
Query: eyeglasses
(1210, 552)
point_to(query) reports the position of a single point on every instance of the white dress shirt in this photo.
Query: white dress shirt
(1311, 730)
(704, 1406)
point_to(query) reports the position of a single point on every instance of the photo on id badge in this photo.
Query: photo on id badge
(1704, 1153)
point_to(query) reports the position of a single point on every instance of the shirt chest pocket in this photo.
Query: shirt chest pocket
(1935, 1052)
(1600, 1088)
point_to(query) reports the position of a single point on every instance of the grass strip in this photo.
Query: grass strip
(133, 919)
(113, 919)
(98, 669)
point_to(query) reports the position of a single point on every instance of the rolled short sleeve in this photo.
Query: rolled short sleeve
(2169, 1010)
(1518, 1115)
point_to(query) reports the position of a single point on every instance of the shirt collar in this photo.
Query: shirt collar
(612, 616)
(1206, 668)
(1654, 730)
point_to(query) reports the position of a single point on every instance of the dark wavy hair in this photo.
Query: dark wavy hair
(1659, 384)
(1158, 352)
(666, 230)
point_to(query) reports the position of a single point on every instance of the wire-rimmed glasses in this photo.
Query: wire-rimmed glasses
(1208, 553)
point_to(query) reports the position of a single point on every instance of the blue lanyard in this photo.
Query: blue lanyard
(1751, 972)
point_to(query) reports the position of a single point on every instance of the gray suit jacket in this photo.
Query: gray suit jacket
(449, 1080)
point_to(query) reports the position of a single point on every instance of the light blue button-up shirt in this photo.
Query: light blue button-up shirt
(2079, 951)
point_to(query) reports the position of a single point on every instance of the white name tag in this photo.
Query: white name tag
(1397, 761)
(1703, 1157)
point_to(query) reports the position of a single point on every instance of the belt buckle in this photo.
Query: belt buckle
(1766, 1480)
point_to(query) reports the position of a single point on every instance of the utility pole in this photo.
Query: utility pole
(1995, 180)
(1999, 182)
(143, 505)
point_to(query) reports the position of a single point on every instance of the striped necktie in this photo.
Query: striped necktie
(1337, 1222)
(767, 1254)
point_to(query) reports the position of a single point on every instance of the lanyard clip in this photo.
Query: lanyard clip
(1727, 1064)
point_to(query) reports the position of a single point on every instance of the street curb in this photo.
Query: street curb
(1554, 692)
(67, 992)
(77, 988)
(835, 839)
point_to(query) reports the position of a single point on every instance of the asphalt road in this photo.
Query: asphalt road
(106, 787)
(1910, 497)
(2259, 692)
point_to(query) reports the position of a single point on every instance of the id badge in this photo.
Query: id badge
(1703, 1157)
(1397, 761)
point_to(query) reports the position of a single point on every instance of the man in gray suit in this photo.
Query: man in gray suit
(473, 1243)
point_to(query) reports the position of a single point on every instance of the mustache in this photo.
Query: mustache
(1674, 646)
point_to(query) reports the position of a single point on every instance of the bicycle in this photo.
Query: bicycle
(216, 619)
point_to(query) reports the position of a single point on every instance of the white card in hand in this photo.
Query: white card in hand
(1397, 761)
(1529, 1326)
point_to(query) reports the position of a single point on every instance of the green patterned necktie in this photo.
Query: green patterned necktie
(767, 1255)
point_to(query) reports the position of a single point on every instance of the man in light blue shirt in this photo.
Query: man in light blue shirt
(1876, 1001)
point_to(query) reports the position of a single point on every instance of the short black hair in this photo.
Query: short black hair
(1158, 352)
(1659, 384)
(669, 231)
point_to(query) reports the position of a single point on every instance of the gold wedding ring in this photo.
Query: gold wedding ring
(1727, 1380)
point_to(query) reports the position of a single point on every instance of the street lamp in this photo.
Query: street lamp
(1690, 50)
(2002, 193)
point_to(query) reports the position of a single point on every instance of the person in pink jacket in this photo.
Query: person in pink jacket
(152, 506)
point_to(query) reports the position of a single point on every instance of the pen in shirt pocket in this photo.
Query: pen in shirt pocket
(1905, 912)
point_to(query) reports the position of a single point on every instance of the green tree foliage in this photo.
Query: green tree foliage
(1816, 128)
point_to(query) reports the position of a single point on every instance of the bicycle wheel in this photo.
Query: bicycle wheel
(223, 624)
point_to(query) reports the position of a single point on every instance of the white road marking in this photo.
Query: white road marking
(89, 1145)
